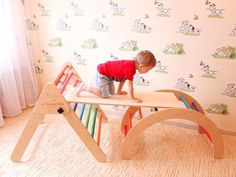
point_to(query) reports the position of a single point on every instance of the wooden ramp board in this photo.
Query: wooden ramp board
(150, 99)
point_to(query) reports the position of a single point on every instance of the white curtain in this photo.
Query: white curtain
(18, 87)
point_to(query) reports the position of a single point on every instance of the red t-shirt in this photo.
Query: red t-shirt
(118, 70)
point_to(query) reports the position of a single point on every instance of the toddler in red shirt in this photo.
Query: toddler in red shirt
(119, 71)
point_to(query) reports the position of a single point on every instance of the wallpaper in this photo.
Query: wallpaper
(194, 43)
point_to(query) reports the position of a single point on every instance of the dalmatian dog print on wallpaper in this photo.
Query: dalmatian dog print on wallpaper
(194, 44)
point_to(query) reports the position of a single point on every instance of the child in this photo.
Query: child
(120, 71)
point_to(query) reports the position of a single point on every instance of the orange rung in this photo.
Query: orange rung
(140, 113)
(130, 121)
(125, 130)
(66, 82)
(56, 81)
(99, 128)
(205, 132)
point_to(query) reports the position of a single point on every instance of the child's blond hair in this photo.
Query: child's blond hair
(145, 58)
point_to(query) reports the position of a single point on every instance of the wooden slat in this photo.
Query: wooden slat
(150, 99)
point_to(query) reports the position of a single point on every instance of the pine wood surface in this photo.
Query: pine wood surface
(150, 99)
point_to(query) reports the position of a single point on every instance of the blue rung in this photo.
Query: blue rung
(185, 102)
(81, 111)
(195, 107)
(75, 107)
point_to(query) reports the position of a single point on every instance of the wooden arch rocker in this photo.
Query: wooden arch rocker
(196, 115)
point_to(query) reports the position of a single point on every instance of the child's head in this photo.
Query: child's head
(145, 61)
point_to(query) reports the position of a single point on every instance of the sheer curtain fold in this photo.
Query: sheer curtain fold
(18, 87)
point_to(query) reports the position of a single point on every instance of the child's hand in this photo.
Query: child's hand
(121, 92)
(138, 100)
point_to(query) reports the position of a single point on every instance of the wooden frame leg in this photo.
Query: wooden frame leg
(52, 102)
(28, 132)
(84, 135)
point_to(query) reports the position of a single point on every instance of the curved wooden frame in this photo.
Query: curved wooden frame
(125, 120)
(177, 93)
(198, 117)
(189, 99)
(156, 117)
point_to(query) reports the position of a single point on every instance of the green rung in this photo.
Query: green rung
(94, 122)
(88, 116)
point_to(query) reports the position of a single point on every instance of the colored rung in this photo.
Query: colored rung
(130, 121)
(203, 129)
(57, 80)
(88, 116)
(66, 82)
(63, 79)
(76, 83)
(205, 132)
(195, 107)
(140, 113)
(94, 122)
(185, 102)
(75, 106)
(99, 128)
(125, 130)
(81, 111)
